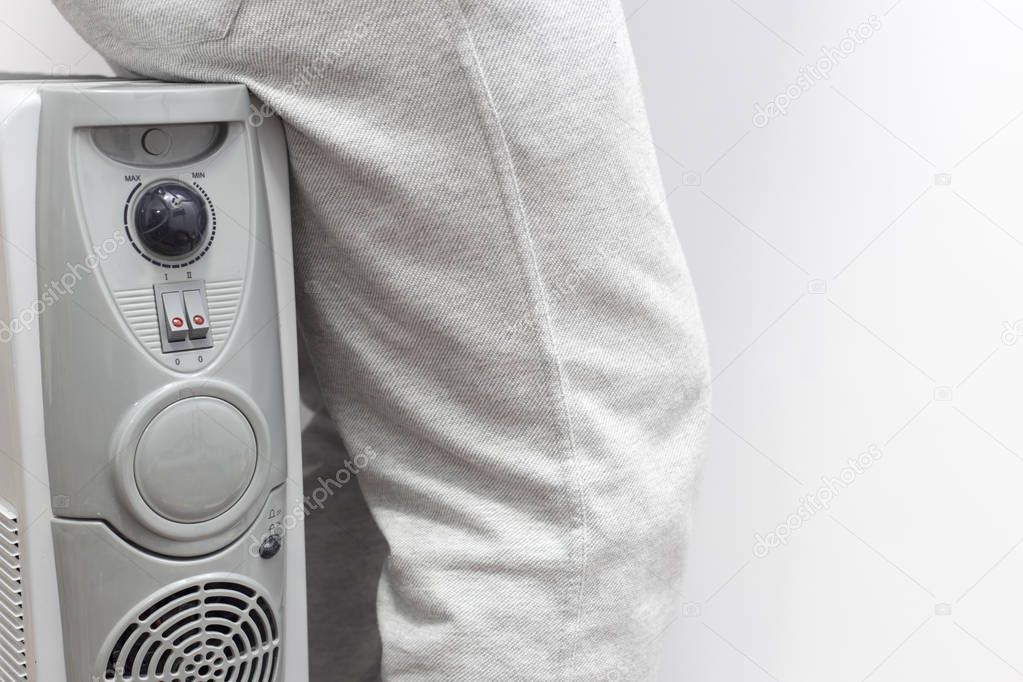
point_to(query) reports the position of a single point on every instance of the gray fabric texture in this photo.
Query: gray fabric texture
(348, 549)
(497, 307)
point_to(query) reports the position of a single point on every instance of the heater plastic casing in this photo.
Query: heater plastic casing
(150, 451)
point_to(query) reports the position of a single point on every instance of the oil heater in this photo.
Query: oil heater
(150, 464)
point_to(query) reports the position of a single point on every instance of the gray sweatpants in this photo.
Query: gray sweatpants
(497, 310)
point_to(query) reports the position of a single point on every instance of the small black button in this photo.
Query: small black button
(270, 547)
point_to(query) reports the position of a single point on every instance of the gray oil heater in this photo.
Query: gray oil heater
(150, 464)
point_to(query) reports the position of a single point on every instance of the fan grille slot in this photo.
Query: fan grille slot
(13, 658)
(204, 631)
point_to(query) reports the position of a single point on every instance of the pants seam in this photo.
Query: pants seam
(508, 184)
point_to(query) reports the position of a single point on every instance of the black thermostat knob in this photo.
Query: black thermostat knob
(171, 220)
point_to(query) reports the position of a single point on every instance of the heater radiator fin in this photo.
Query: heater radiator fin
(139, 309)
(214, 628)
(13, 659)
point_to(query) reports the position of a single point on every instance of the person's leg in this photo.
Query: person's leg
(347, 548)
(498, 309)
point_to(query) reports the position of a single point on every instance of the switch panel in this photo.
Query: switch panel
(184, 316)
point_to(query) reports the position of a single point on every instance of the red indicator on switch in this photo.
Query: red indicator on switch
(198, 319)
(177, 322)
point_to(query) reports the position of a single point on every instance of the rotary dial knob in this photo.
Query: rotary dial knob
(171, 220)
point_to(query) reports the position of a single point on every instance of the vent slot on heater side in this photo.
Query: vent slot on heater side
(13, 658)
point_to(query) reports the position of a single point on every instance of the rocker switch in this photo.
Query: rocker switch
(174, 314)
(196, 314)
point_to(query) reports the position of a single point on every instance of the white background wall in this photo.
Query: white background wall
(34, 38)
(853, 300)
(859, 264)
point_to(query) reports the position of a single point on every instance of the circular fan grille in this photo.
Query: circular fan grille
(205, 631)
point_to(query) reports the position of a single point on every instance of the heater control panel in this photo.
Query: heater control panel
(172, 219)
(174, 230)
